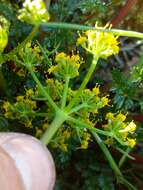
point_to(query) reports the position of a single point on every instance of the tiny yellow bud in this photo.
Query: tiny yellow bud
(131, 142)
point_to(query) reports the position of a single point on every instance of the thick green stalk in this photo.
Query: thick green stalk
(84, 83)
(70, 26)
(45, 93)
(54, 126)
(64, 97)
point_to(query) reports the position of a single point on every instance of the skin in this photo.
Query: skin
(26, 163)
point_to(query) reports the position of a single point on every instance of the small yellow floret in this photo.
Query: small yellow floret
(131, 142)
(110, 116)
(60, 56)
(19, 98)
(121, 117)
(105, 101)
(129, 128)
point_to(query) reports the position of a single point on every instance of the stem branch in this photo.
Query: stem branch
(45, 93)
(84, 83)
(70, 26)
(64, 97)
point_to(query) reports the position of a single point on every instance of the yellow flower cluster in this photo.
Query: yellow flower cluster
(4, 27)
(33, 12)
(61, 139)
(67, 66)
(21, 109)
(93, 100)
(85, 139)
(120, 129)
(101, 44)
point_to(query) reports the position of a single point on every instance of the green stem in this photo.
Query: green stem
(70, 26)
(64, 97)
(84, 83)
(123, 158)
(54, 126)
(20, 46)
(45, 93)
(112, 162)
(77, 108)
(84, 125)
(107, 154)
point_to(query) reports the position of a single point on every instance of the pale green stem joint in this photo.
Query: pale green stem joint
(59, 119)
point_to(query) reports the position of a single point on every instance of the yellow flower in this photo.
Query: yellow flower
(129, 128)
(75, 58)
(6, 105)
(66, 65)
(81, 40)
(19, 98)
(131, 142)
(84, 144)
(86, 137)
(31, 103)
(45, 126)
(52, 69)
(29, 92)
(4, 27)
(64, 147)
(33, 12)
(50, 81)
(39, 132)
(110, 116)
(121, 117)
(96, 90)
(105, 101)
(8, 114)
(60, 56)
(3, 38)
(102, 44)
(21, 72)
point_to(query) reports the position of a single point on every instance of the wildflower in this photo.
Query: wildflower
(29, 93)
(122, 130)
(110, 116)
(129, 128)
(96, 90)
(86, 137)
(28, 123)
(67, 66)
(81, 40)
(60, 56)
(6, 106)
(102, 44)
(53, 69)
(4, 27)
(45, 126)
(21, 72)
(121, 117)
(20, 98)
(131, 142)
(39, 132)
(64, 147)
(30, 103)
(33, 12)
(105, 101)
(75, 58)
(8, 114)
